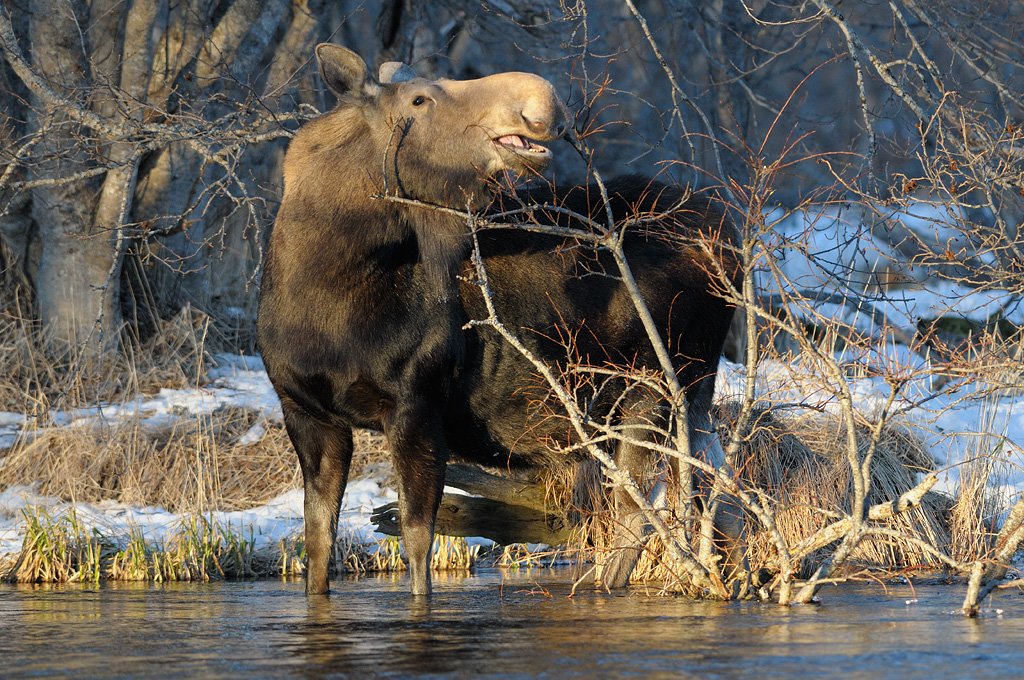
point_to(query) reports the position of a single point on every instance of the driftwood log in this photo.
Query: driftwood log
(501, 509)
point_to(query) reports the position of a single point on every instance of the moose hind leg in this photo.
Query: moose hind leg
(325, 454)
(420, 459)
(729, 516)
(631, 527)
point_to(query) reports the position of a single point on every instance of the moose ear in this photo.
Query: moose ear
(395, 72)
(343, 71)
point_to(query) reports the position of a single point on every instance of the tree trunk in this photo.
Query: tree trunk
(78, 301)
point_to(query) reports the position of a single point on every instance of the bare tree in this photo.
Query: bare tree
(137, 119)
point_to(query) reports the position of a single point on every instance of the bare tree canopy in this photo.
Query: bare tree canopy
(142, 140)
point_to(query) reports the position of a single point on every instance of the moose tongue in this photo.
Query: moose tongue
(512, 140)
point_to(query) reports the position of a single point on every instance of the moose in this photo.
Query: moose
(364, 301)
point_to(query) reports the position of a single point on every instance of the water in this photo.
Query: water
(494, 625)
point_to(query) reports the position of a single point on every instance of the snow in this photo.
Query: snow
(11, 425)
(12, 500)
(827, 247)
(832, 251)
(956, 425)
(239, 381)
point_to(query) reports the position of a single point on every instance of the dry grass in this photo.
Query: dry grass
(799, 464)
(974, 511)
(802, 464)
(450, 553)
(521, 556)
(195, 465)
(198, 465)
(36, 378)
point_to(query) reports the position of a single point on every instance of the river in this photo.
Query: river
(492, 624)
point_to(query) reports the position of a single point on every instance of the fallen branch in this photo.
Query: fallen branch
(475, 481)
(882, 511)
(471, 516)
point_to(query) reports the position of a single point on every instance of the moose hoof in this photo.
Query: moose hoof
(619, 568)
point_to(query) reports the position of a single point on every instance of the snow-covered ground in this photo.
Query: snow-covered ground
(833, 261)
(955, 426)
(279, 519)
(832, 250)
(235, 381)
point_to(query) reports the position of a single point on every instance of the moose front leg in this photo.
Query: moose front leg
(420, 456)
(325, 454)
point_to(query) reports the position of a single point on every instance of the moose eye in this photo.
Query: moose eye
(419, 101)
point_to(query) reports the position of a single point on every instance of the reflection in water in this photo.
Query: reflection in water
(491, 625)
(396, 633)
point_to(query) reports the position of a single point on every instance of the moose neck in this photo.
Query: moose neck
(338, 197)
(442, 243)
(430, 200)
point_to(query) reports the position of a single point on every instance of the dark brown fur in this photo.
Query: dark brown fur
(362, 315)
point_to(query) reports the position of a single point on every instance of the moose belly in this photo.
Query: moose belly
(500, 412)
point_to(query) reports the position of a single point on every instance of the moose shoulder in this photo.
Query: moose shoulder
(364, 301)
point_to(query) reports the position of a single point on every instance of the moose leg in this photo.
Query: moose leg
(631, 527)
(420, 458)
(325, 453)
(729, 516)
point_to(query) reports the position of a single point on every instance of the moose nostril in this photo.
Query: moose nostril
(536, 125)
(545, 128)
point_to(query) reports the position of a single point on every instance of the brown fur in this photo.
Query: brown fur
(362, 315)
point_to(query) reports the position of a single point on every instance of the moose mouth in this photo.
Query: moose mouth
(521, 145)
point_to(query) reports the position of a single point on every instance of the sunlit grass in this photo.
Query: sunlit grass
(59, 549)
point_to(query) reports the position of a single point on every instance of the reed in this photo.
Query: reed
(59, 549)
(799, 468)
